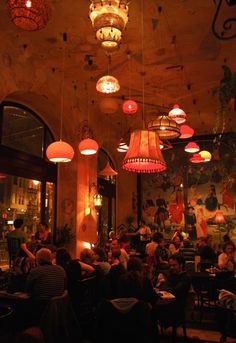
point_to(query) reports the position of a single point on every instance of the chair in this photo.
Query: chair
(226, 320)
(124, 320)
(58, 322)
(13, 245)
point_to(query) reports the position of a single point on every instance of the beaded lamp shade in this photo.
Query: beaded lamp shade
(29, 15)
(107, 84)
(166, 127)
(144, 154)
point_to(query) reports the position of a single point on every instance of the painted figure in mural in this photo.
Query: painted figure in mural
(201, 224)
(190, 223)
(211, 201)
(194, 196)
(161, 213)
(227, 196)
(176, 207)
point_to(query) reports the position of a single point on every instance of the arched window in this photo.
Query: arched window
(27, 179)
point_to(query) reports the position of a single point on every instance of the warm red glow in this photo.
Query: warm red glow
(191, 147)
(130, 107)
(88, 146)
(196, 158)
(29, 15)
(108, 171)
(60, 151)
(186, 131)
(107, 84)
(219, 217)
(144, 154)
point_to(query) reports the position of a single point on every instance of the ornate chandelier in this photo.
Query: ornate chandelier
(109, 19)
(29, 15)
(166, 127)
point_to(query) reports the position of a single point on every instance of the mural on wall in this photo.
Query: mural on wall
(189, 195)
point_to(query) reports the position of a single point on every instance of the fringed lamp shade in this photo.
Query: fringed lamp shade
(108, 171)
(177, 114)
(29, 15)
(130, 107)
(219, 217)
(186, 131)
(107, 84)
(60, 151)
(144, 154)
(122, 146)
(196, 158)
(109, 18)
(165, 127)
(191, 147)
(88, 146)
(206, 155)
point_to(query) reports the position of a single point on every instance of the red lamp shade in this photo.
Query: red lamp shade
(219, 217)
(88, 146)
(144, 154)
(108, 171)
(186, 131)
(60, 151)
(122, 146)
(177, 114)
(130, 107)
(29, 15)
(107, 84)
(191, 147)
(196, 158)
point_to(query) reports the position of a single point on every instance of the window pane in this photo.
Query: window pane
(22, 131)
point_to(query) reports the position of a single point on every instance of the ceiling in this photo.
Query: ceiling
(181, 60)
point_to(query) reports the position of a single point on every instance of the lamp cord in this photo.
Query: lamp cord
(63, 79)
(142, 48)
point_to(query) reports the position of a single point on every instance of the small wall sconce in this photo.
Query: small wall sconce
(97, 201)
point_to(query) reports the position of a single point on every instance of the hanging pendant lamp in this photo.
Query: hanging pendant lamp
(88, 146)
(177, 114)
(60, 151)
(29, 15)
(144, 154)
(206, 155)
(191, 147)
(196, 158)
(108, 170)
(186, 131)
(122, 146)
(165, 127)
(130, 107)
(107, 84)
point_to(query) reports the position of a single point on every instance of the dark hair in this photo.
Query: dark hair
(134, 264)
(178, 258)
(44, 224)
(157, 236)
(124, 239)
(62, 257)
(130, 285)
(101, 253)
(18, 223)
(226, 238)
(115, 253)
(228, 243)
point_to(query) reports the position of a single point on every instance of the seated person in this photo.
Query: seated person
(161, 255)
(179, 231)
(227, 259)
(100, 258)
(124, 257)
(176, 244)
(151, 247)
(43, 235)
(116, 270)
(206, 253)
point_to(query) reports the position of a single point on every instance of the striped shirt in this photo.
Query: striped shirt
(46, 281)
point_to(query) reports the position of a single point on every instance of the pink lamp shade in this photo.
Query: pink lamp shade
(107, 84)
(144, 154)
(108, 171)
(186, 131)
(29, 15)
(177, 114)
(122, 146)
(219, 217)
(196, 158)
(60, 151)
(88, 146)
(130, 107)
(191, 147)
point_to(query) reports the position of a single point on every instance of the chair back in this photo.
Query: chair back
(58, 321)
(13, 245)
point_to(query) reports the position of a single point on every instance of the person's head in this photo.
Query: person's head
(114, 244)
(202, 241)
(99, 254)
(190, 210)
(177, 240)
(62, 257)
(229, 248)
(124, 241)
(130, 285)
(187, 243)
(161, 242)
(87, 256)
(18, 223)
(43, 227)
(134, 264)
(44, 256)
(209, 240)
(226, 238)
(157, 236)
(176, 263)
(115, 254)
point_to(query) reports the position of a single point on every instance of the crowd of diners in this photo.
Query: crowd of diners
(120, 272)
